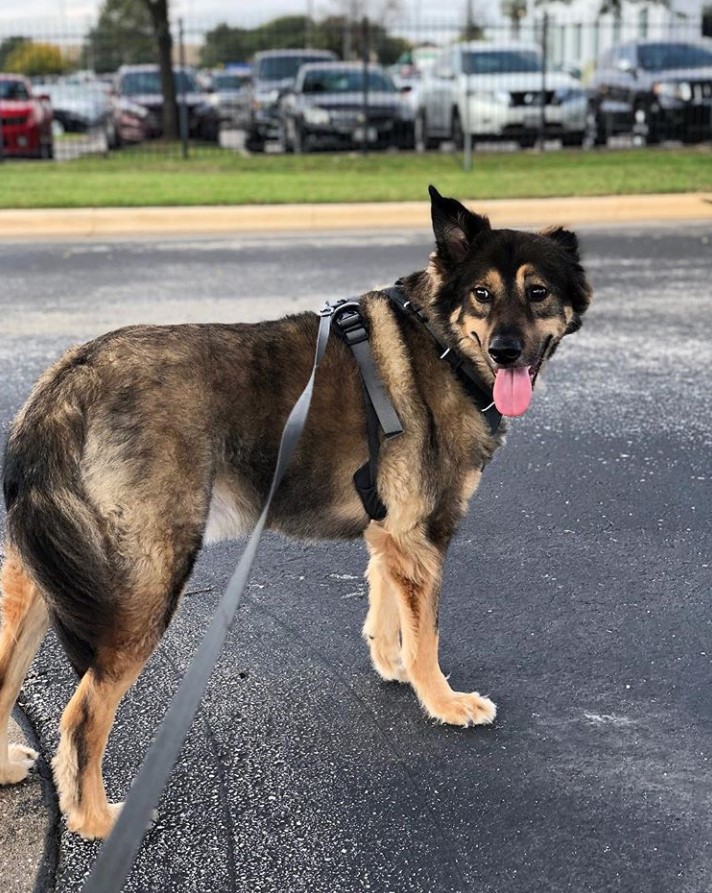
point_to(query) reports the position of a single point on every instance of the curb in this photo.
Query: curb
(203, 220)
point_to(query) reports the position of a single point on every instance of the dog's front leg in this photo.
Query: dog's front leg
(412, 565)
(382, 627)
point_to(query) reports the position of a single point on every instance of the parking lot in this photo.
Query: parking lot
(576, 596)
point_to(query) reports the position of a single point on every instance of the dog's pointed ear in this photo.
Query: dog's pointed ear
(455, 227)
(579, 288)
(564, 237)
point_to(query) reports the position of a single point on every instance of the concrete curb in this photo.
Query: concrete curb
(202, 220)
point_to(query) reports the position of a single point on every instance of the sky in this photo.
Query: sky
(76, 13)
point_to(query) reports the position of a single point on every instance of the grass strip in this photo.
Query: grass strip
(157, 176)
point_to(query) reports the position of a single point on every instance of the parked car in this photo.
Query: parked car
(654, 90)
(273, 73)
(325, 109)
(25, 119)
(494, 91)
(129, 123)
(141, 85)
(230, 93)
(77, 108)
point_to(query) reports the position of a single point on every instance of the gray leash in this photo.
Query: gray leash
(117, 856)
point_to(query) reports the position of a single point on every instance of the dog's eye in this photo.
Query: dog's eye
(538, 293)
(482, 294)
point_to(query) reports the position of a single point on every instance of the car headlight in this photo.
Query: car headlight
(316, 116)
(673, 90)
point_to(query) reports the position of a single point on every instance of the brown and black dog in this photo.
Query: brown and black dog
(136, 448)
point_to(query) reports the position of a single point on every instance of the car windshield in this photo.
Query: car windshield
(659, 56)
(279, 68)
(501, 61)
(134, 83)
(13, 90)
(346, 81)
(230, 81)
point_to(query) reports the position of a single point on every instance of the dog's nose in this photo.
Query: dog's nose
(505, 349)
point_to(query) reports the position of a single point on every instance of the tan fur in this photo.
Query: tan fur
(24, 623)
(89, 716)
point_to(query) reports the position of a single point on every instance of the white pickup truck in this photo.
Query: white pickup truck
(493, 91)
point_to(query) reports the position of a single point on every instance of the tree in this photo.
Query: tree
(515, 11)
(224, 44)
(7, 46)
(158, 11)
(35, 59)
(123, 36)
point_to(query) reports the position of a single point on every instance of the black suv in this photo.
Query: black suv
(654, 90)
(273, 73)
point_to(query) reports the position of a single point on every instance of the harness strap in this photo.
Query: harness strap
(461, 367)
(350, 325)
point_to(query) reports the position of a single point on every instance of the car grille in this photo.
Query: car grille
(14, 121)
(354, 118)
(701, 90)
(530, 97)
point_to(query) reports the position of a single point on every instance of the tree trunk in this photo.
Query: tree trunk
(164, 41)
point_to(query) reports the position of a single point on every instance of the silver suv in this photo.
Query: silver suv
(273, 73)
(493, 91)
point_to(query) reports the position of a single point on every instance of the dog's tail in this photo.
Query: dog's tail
(55, 529)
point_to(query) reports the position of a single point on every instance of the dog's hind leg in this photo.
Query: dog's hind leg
(382, 627)
(413, 566)
(24, 623)
(85, 726)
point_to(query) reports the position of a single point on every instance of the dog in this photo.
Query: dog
(137, 448)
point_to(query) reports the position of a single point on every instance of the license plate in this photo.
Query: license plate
(532, 120)
(371, 135)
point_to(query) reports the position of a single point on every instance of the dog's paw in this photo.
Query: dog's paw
(100, 825)
(21, 761)
(388, 666)
(462, 709)
(95, 825)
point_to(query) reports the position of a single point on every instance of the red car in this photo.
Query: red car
(25, 120)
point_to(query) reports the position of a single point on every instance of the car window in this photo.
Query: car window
(277, 68)
(627, 54)
(500, 61)
(659, 56)
(13, 90)
(134, 83)
(345, 81)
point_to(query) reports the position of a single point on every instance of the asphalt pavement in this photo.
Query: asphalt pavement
(576, 595)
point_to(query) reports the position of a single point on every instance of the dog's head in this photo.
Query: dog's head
(504, 298)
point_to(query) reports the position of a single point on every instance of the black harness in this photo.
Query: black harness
(349, 323)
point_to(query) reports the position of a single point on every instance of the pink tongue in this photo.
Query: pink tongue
(512, 391)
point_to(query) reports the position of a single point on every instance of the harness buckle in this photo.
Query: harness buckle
(349, 322)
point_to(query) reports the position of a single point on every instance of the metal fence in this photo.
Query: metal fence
(453, 85)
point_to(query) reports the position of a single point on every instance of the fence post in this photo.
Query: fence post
(542, 102)
(183, 102)
(365, 54)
